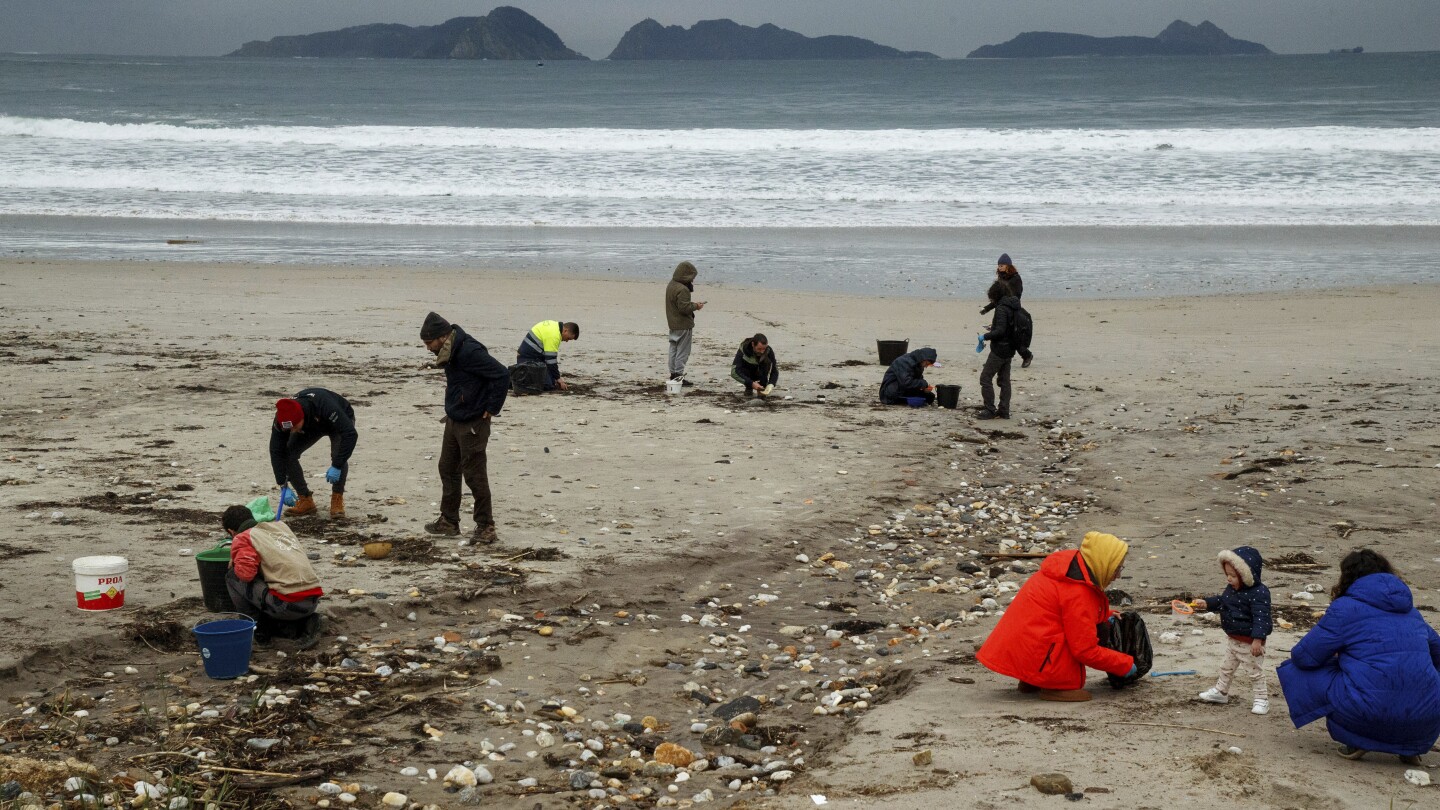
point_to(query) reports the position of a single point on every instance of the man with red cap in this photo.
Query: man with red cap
(301, 421)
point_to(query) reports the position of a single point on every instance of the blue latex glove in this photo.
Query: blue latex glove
(1133, 669)
(980, 344)
(332, 475)
(1114, 619)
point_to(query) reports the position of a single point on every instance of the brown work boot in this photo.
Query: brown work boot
(486, 535)
(304, 505)
(337, 504)
(443, 526)
(1065, 695)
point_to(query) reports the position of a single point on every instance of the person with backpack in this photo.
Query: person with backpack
(1007, 272)
(1049, 633)
(1009, 331)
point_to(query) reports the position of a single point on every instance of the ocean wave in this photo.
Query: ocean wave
(1326, 139)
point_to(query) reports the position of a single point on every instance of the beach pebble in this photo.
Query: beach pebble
(1234, 749)
(528, 782)
(331, 789)
(1417, 778)
(1303, 596)
(73, 784)
(409, 771)
(1166, 638)
(131, 671)
(1052, 784)
(393, 799)
(461, 777)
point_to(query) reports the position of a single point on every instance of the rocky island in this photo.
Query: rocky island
(727, 39)
(504, 33)
(1178, 39)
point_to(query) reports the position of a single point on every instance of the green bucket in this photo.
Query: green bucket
(213, 563)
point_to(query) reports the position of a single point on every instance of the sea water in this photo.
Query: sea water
(1110, 176)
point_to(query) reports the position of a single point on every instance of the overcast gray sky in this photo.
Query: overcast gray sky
(946, 27)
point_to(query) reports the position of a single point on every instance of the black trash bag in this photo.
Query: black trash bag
(528, 378)
(1127, 634)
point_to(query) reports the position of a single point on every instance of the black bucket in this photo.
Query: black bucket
(891, 350)
(948, 396)
(213, 563)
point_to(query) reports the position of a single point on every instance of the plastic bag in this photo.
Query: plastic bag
(261, 510)
(1127, 634)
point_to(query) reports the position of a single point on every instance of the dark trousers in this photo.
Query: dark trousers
(296, 475)
(462, 454)
(255, 599)
(996, 366)
(899, 399)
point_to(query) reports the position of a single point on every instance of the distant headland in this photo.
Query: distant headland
(509, 33)
(727, 39)
(1178, 39)
(504, 33)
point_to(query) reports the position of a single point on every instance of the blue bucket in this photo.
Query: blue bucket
(916, 402)
(225, 647)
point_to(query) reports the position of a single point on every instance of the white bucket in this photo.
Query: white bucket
(675, 386)
(100, 582)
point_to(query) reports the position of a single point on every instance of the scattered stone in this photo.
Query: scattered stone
(1417, 777)
(923, 759)
(1052, 784)
(393, 799)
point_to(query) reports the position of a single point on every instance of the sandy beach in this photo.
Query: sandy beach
(697, 570)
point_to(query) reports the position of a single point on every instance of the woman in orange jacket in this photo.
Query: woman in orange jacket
(1048, 636)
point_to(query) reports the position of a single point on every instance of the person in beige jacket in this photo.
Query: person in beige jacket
(680, 317)
(271, 579)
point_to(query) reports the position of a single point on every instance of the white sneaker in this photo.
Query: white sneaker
(1213, 695)
(1262, 706)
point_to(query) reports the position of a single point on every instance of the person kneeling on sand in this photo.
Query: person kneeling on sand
(1370, 666)
(906, 378)
(270, 578)
(541, 347)
(754, 366)
(1047, 636)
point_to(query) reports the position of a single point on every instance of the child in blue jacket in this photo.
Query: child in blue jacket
(1244, 610)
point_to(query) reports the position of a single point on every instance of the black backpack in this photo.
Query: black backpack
(1022, 328)
(528, 378)
(1127, 634)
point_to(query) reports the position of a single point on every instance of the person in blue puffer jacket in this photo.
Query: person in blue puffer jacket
(1370, 667)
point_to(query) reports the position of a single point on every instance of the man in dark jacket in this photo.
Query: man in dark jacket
(475, 389)
(906, 378)
(754, 366)
(680, 317)
(1002, 352)
(300, 422)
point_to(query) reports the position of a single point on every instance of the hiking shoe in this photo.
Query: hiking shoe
(1213, 695)
(310, 632)
(1002, 414)
(1413, 759)
(1065, 695)
(987, 413)
(1261, 706)
(486, 535)
(1351, 752)
(337, 505)
(443, 526)
(304, 505)
(686, 384)
(1027, 362)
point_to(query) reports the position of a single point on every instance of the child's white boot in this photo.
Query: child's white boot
(1261, 706)
(1213, 695)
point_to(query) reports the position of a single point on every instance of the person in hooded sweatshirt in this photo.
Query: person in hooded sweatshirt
(1002, 352)
(1244, 609)
(906, 378)
(1370, 666)
(1048, 635)
(680, 317)
(475, 389)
